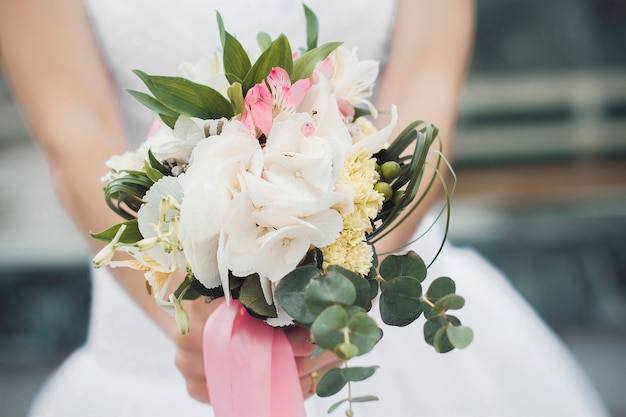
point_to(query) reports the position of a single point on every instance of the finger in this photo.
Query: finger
(300, 340)
(309, 382)
(306, 365)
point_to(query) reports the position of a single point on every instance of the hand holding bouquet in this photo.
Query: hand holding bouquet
(266, 183)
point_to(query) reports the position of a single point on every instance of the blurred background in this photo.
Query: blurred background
(541, 162)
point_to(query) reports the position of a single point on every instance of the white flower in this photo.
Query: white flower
(210, 184)
(158, 220)
(178, 143)
(207, 71)
(293, 159)
(352, 80)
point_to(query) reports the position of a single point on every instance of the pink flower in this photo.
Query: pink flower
(274, 99)
(257, 111)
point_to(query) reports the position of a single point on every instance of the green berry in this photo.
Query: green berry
(390, 170)
(385, 189)
(397, 196)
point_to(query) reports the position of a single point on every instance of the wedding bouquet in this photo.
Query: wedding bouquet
(265, 182)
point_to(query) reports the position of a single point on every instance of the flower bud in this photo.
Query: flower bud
(182, 319)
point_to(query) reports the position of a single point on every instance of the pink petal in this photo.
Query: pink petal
(299, 90)
(257, 112)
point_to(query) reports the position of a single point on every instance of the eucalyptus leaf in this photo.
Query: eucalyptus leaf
(358, 373)
(407, 265)
(277, 55)
(303, 66)
(332, 287)
(431, 327)
(336, 405)
(361, 285)
(373, 288)
(130, 235)
(364, 399)
(459, 336)
(186, 97)
(289, 293)
(439, 288)
(328, 328)
(251, 295)
(441, 343)
(400, 301)
(448, 302)
(331, 383)
(364, 332)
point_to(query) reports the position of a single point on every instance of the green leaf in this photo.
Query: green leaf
(236, 60)
(289, 293)
(364, 399)
(312, 28)
(459, 336)
(156, 106)
(400, 301)
(317, 352)
(220, 27)
(373, 288)
(186, 290)
(331, 383)
(431, 326)
(448, 302)
(186, 97)
(364, 332)
(303, 66)
(441, 343)
(358, 373)
(130, 235)
(439, 288)
(277, 55)
(263, 40)
(251, 296)
(154, 163)
(328, 327)
(361, 285)
(124, 195)
(235, 94)
(336, 405)
(408, 265)
(329, 288)
(152, 173)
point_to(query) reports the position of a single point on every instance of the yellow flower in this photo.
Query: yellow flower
(351, 249)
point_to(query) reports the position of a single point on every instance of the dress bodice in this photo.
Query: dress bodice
(157, 36)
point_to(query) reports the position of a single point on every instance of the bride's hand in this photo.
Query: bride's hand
(190, 362)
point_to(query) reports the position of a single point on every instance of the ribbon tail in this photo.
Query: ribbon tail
(250, 367)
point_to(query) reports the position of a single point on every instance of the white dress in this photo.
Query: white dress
(514, 367)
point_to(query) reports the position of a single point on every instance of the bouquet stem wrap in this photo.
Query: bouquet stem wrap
(250, 367)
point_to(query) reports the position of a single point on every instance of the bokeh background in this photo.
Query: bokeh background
(541, 164)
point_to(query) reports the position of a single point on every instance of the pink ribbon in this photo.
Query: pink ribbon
(250, 368)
